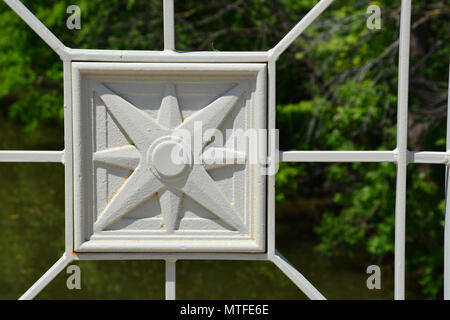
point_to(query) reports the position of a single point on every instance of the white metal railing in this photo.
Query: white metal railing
(400, 155)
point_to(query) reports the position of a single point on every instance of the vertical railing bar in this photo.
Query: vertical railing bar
(169, 25)
(447, 207)
(68, 157)
(402, 145)
(170, 279)
(271, 176)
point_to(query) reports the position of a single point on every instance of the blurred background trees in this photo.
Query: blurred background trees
(336, 87)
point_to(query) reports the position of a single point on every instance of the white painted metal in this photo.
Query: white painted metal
(47, 277)
(271, 124)
(431, 157)
(338, 156)
(447, 205)
(166, 56)
(169, 25)
(32, 156)
(170, 279)
(128, 119)
(68, 157)
(171, 255)
(296, 277)
(128, 159)
(402, 150)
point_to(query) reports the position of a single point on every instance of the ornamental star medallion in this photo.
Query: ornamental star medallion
(151, 157)
(167, 157)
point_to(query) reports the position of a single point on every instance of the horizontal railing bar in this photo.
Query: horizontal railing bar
(337, 156)
(430, 157)
(167, 56)
(32, 156)
(427, 157)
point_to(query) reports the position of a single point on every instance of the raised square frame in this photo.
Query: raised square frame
(142, 85)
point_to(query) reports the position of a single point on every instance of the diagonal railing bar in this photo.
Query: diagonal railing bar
(38, 27)
(296, 277)
(47, 277)
(402, 149)
(304, 23)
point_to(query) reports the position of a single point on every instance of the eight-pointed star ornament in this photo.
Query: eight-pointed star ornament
(156, 169)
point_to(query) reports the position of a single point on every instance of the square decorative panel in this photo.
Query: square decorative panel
(159, 160)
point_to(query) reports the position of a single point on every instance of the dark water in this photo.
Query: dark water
(32, 239)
